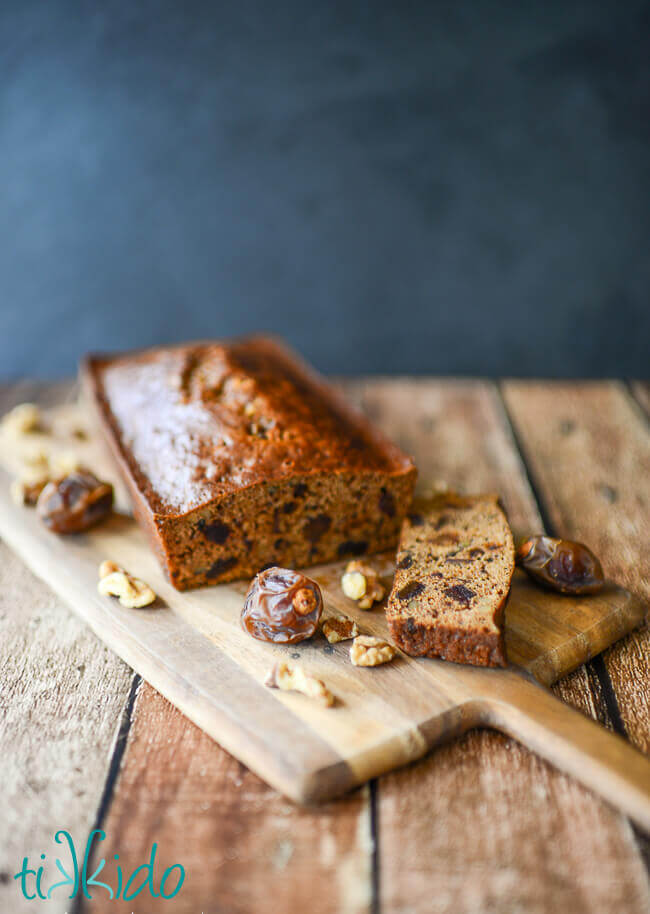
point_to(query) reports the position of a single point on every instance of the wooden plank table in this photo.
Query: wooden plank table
(481, 825)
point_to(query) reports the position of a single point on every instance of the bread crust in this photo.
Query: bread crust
(443, 643)
(292, 475)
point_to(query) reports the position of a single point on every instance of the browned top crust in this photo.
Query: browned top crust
(197, 422)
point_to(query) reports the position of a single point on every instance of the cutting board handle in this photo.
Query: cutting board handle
(598, 758)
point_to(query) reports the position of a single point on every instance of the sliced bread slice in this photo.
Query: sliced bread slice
(454, 566)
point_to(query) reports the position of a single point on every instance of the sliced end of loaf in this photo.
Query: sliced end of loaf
(454, 566)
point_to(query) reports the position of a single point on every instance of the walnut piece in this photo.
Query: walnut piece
(116, 582)
(367, 650)
(361, 583)
(37, 461)
(292, 678)
(22, 419)
(353, 585)
(63, 464)
(339, 628)
(39, 470)
(26, 489)
(107, 567)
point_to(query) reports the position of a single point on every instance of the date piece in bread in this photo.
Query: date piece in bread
(237, 457)
(454, 566)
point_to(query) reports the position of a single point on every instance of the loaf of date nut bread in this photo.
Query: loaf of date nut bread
(454, 566)
(237, 456)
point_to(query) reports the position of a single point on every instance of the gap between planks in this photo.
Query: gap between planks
(64, 695)
(113, 769)
(640, 393)
(601, 426)
(458, 431)
(153, 710)
(610, 712)
(416, 786)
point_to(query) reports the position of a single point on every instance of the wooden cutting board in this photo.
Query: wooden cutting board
(191, 647)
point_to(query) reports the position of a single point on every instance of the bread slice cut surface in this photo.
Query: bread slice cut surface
(455, 562)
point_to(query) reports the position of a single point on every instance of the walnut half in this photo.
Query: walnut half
(22, 419)
(116, 582)
(367, 650)
(292, 678)
(39, 470)
(25, 490)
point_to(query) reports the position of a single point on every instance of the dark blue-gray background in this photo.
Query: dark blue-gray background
(395, 187)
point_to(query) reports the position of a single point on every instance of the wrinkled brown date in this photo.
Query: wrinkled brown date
(282, 606)
(75, 502)
(560, 564)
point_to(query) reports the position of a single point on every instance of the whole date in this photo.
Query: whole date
(75, 502)
(561, 565)
(282, 606)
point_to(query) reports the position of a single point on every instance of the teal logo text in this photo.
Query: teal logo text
(77, 879)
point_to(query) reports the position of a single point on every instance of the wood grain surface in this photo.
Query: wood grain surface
(192, 648)
(596, 427)
(490, 827)
(62, 698)
(245, 847)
